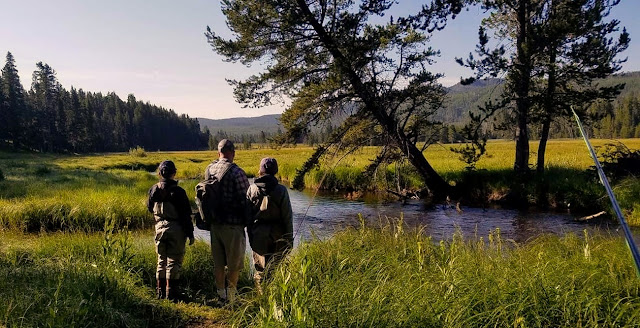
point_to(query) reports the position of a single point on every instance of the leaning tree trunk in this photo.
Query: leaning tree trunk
(434, 182)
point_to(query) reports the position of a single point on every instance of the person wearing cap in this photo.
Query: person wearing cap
(228, 241)
(172, 211)
(271, 232)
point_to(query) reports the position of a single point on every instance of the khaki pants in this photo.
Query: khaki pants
(228, 244)
(170, 247)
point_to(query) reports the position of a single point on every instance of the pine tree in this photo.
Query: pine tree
(76, 121)
(332, 58)
(560, 47)
(44, 101)
(14, 106)
(577, 50)
(4, 116)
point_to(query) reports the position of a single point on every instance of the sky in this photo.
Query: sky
(157, 49)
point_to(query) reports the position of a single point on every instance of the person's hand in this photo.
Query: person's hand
(191, 240)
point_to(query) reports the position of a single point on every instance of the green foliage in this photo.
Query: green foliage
(394, 278)
(332, 58)
(547, 70)
(51, 119)
(618, 161)
(137, 152)
(67, 280)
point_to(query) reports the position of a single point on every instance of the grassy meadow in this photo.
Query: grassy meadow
(55, 192)
(76, 250)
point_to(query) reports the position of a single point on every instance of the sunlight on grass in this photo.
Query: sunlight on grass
(56, 192)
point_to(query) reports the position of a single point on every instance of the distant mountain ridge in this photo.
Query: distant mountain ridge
(460, 100)
(242, 125)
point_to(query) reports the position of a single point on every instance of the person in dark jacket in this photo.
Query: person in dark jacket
(172, 211)
(271, 232)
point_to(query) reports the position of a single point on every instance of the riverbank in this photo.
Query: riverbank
(384, 277)
(394, 278)
(42, 192)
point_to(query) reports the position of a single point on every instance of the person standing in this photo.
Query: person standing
(271, 232)
(172, 212)
(228, 241)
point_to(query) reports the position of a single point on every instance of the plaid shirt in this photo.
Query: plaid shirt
(234, 190)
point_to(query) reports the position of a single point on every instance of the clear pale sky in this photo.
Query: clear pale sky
(157, 49)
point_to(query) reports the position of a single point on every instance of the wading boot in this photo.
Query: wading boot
(173, 290)
(161, 288)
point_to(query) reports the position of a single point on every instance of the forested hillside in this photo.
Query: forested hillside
(621, 118)
(49, 118)
(243, 125)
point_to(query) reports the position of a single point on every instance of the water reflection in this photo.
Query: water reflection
(328, 213)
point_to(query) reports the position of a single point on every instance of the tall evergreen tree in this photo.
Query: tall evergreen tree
(44, 100)
(14, 106)
(331, 59)
(577, 51)
(50, 118)
(4, 116)
(560, 47)
(514, 21)
(76, 122)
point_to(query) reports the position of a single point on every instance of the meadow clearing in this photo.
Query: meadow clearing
(55, 192)
(76, 251)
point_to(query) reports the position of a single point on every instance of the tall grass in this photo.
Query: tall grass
(98, 280)
(391, 278)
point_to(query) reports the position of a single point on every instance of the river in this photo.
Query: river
(326, 213)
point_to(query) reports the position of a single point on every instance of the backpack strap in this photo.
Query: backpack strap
(225, 171)
(221, 175)
(165, 192)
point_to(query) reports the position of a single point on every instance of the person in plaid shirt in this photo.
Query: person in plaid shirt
(228, 242)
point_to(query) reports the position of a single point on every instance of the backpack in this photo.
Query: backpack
(266, 225)
(209, 200)
(267, 211)
(164, 210)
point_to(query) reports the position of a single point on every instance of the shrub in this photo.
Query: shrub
(137, 152)
(1, 175)
(42, 170)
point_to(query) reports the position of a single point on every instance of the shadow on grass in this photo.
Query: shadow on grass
(65, 280)
(558, 188)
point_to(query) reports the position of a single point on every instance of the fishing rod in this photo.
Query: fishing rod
(616, 207)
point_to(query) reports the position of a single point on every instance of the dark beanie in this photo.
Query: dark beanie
(268, 165)
(166, 169)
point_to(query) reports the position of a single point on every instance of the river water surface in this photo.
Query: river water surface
(325, 214)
